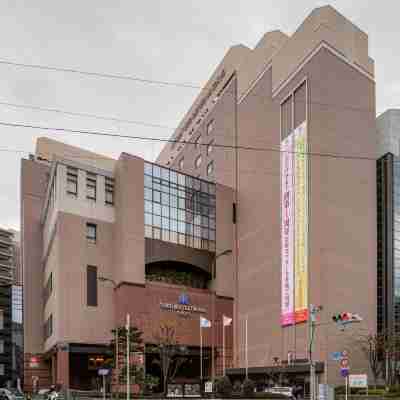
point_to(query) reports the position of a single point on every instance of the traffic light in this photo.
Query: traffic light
(346, 318)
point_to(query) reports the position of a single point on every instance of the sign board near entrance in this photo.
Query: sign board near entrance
(358, 381)
(103, 372)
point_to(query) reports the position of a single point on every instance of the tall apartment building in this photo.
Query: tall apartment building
(284, 124)
(103, 238)
(9, 275)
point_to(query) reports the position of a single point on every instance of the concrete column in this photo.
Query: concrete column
(63, 368)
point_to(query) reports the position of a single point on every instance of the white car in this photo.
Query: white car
(283, 390)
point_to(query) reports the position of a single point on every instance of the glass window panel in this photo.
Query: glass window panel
(189, 182)
(165, 211)
(164, 188)
(174, 191)
(181, 203)
(212, 223)
(165, 235)
(156, 186)
(204, 221)
(173, 225)
(156, 196)
(148, 181)
(182, 239)
(157, 221)
(197, 231)
(212, 211)
(189, 229)
(173, 237)
(181, 215)
(156, 171)
(212, 234)
(148, 169)
(156, 233)
(156, 209)
(165, 223)
(165, 174)
(173, 201)
(181, 227)
(197, 243)
(181, 179)
(173, 212)
(148, 206)
(147, 219)
(148, 231)
(197, 219)
(174, 175)
(165, 198)
(189, 241)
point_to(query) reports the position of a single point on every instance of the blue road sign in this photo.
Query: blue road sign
(344, 372)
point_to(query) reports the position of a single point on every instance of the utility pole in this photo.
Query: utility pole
(128, 387)
(312, 318)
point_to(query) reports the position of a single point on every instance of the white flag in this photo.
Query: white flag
(226, 320)
(205, 323)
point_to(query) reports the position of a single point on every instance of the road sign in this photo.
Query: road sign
(336, 356)
(358, 381)
(103, 371)
(344, 372)
(344, 363)
(345, 354)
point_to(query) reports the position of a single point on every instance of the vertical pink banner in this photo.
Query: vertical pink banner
(287, 231)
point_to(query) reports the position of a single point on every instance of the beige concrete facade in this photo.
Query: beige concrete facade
(329, 56)
(57, 252)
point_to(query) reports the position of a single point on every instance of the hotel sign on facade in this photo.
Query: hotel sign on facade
(183, 306)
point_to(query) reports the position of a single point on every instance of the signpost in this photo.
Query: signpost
(103, 372)
(344, 369)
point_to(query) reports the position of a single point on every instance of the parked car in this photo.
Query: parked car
(283, 390)
(7, 394)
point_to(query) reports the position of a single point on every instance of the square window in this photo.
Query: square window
(156, 196)
(148, 219)
(156, 209)
(165, 199)
(165, 211)
(157, 221)
(91, 232)
(91, 183)
(72, 181)
(148, 168)
(148, 194)
(109, 182)
(148, 207)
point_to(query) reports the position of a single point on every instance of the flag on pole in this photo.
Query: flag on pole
(226, 320)
(205, 323)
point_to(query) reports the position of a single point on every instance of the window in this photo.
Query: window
(91, 281)
(91, 232)
(196, 142)
(181, 163)
(210, 127)
(197, 161)
(210, 168)
(109, 190)
(91, 180)
(49, 288)
(1, 346)
(48, 327)
(72, 181)
(210, 147)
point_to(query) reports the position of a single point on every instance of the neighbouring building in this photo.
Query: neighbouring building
(290, 126)
(9, 275)
(103, 238)
(388, 210)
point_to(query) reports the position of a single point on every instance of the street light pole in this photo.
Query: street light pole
(312, 317)
(214, 295)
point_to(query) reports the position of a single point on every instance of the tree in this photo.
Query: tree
(136, 370)
(171, 354)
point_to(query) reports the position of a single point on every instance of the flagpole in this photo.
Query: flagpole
(223, 347)
(247, 350)
(201, 354)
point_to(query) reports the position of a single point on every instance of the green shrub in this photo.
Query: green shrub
(248, 387)
(223, 386)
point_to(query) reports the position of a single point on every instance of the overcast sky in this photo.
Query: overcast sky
(174, 40)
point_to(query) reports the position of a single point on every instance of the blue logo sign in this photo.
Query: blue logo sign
(336, 356)
(184, 299)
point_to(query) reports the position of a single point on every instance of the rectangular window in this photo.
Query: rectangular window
(91, 280)
(1, 346)
(72, 181)
(197, 161)
(181, 163)
(49, 288)
(210, 168)
(48, 327)
(210, 147)
(91, 180)
(210, 127)
(91, 232)
(109, 190)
